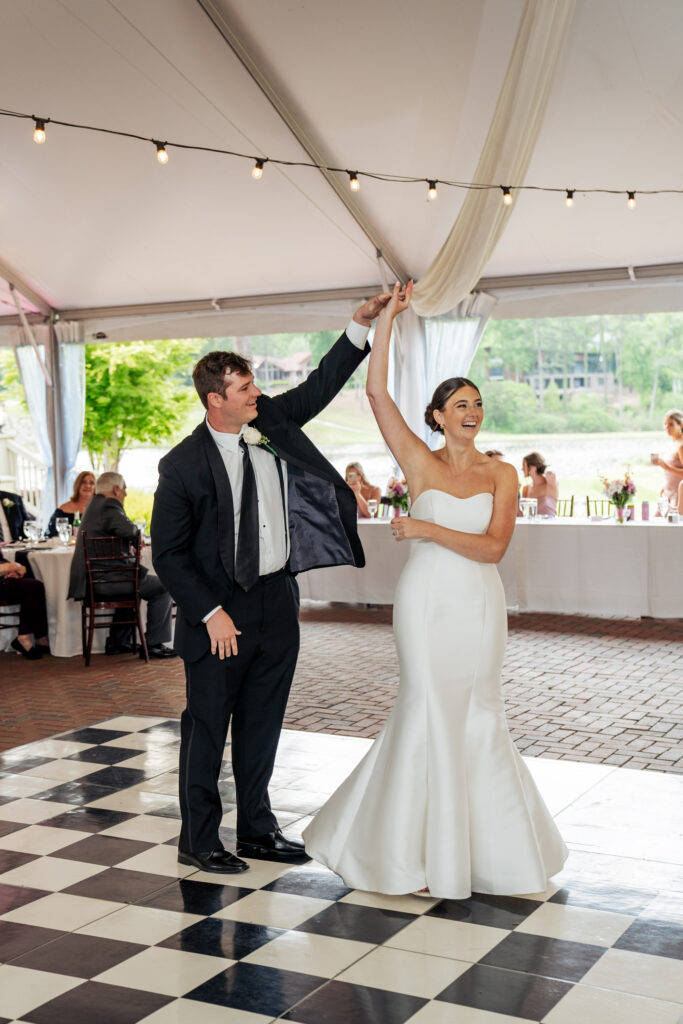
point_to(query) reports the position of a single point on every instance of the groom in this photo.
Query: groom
(243, 504)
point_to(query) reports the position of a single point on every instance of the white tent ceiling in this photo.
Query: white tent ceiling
(91, 221)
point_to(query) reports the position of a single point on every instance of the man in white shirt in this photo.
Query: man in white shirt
(242, 505)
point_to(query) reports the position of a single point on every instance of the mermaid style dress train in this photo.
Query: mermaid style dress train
(443, 798)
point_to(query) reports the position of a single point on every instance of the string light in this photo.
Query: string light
(39, 136)
(39, 131)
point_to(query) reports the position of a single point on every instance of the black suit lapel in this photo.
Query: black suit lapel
(14, 522)
(226, 512)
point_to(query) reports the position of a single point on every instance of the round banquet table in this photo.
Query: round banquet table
(570, 566)
(52, 565)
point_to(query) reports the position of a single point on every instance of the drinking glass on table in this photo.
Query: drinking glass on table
(32, 532)
(372, 507)
(63, 527)
(662, 507)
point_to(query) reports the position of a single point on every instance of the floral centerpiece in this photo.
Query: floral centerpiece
(397, 492)
(620, 492)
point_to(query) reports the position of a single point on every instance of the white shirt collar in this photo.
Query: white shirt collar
(228, 442)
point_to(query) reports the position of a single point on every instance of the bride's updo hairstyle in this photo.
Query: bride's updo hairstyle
(441, 396)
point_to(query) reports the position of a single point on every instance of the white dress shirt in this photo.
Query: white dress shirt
(273, 534)
(273, 519)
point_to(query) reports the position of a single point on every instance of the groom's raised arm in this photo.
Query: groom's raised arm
(309, 398)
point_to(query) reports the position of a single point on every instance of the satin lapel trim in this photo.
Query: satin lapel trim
(226, 511)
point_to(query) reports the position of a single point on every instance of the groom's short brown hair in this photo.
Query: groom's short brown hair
(209, 373)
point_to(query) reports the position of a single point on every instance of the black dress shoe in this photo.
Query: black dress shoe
(32, 653)
(273, 846)
(217, 861)
(158, 651)
(118, 648)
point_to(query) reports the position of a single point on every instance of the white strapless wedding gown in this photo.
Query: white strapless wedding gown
(443, 798)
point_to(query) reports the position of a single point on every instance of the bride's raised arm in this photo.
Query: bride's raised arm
(407, 448)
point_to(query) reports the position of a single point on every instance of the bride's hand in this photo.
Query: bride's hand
(400, 300)
(405, 528)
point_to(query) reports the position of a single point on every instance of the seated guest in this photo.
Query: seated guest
(30, 596)
(13, 515)
(673, 464)
(493, 453)
(543, 484)
(362, 488)
(104, 517)
(84, 488)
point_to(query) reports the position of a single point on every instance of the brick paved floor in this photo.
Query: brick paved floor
(583, 689)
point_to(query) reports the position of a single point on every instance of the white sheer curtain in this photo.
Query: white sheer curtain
(72, 400)
(36, 398)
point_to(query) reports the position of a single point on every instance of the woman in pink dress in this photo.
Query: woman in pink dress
(673, 464)
(543, 484)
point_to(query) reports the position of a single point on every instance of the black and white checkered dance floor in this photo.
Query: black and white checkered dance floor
(100, 925)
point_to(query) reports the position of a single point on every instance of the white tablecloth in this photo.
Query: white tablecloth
(554, 565)
(52, 566)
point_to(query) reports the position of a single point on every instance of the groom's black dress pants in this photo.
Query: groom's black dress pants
(251, 690)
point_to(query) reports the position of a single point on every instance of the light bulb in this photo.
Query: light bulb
(162, 155)
(354, 183)
(569, 201)
(39, 131)
(431, 191)
(507, 197)
(631, 202)
(257, 170)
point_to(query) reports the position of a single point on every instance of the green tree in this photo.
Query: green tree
(134, 392)
(508, 406)
(587, 415)
(509, 340)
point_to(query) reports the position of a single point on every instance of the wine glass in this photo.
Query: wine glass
(372, 507)
(662, 507)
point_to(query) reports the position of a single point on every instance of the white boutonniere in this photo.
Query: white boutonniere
(252, 435)
(8, 503)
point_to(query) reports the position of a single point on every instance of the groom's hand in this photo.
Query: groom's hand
(223, 634)
(366, 313)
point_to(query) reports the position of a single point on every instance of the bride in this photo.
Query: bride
(442, 801)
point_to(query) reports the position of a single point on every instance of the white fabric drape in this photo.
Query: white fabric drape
(36, 399)
(504, 159)
(72, 398)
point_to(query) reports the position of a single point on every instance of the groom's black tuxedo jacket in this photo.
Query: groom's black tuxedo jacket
(15, 514)
(193, 533)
